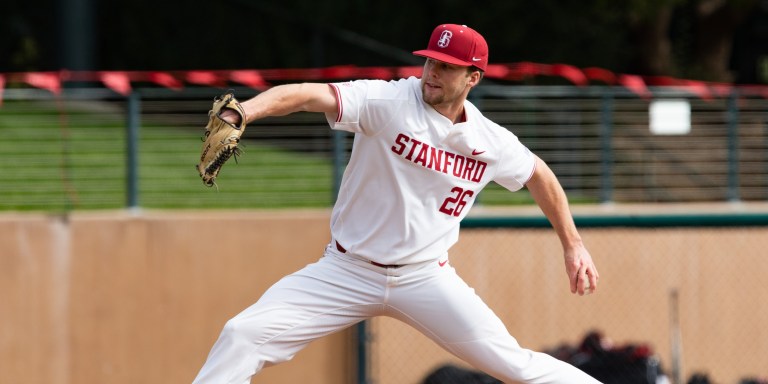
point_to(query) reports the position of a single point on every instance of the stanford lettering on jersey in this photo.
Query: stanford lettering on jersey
(439, 160)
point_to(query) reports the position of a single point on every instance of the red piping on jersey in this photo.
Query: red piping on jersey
(339, 107)
(532, 172)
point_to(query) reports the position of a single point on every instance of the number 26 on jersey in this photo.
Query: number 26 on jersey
(455, 203)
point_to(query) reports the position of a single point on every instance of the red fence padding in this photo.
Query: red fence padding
(260, 79)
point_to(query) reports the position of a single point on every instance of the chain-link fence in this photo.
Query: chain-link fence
(673, 303)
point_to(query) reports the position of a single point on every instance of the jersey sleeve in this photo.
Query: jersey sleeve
(350, 97)
(364, 106)
(516, 165)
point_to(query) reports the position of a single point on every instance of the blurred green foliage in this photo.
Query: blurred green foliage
(652, 37)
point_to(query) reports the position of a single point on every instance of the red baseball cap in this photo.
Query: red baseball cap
(457, 44)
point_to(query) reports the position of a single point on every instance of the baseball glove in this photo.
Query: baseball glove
(221, 138)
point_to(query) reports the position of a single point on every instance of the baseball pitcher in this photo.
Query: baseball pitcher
(421, 155)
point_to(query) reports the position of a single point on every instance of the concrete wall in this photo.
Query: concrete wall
(121, 298)
(115, 298)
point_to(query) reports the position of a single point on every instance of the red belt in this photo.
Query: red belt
(342, 250)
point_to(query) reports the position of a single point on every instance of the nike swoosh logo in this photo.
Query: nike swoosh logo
(475, 152)
(476, 59)
(442, 263)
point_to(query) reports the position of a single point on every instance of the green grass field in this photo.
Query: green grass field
(74, 160)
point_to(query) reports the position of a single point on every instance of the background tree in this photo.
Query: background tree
(688, 38)
(715, 40)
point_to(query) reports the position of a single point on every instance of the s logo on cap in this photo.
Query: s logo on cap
(445, 39)
(458, 45)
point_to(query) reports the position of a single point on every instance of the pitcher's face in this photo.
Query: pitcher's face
(444, 84)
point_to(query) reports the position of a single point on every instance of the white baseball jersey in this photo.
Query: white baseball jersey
(413, 174)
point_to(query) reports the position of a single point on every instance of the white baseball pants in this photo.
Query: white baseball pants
(340, 290)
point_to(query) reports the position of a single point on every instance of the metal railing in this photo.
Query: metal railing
(598, 141)
(94, 149)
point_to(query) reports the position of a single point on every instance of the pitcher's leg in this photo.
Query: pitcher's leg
(441, 305)
(298, 309)
(502, 357)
